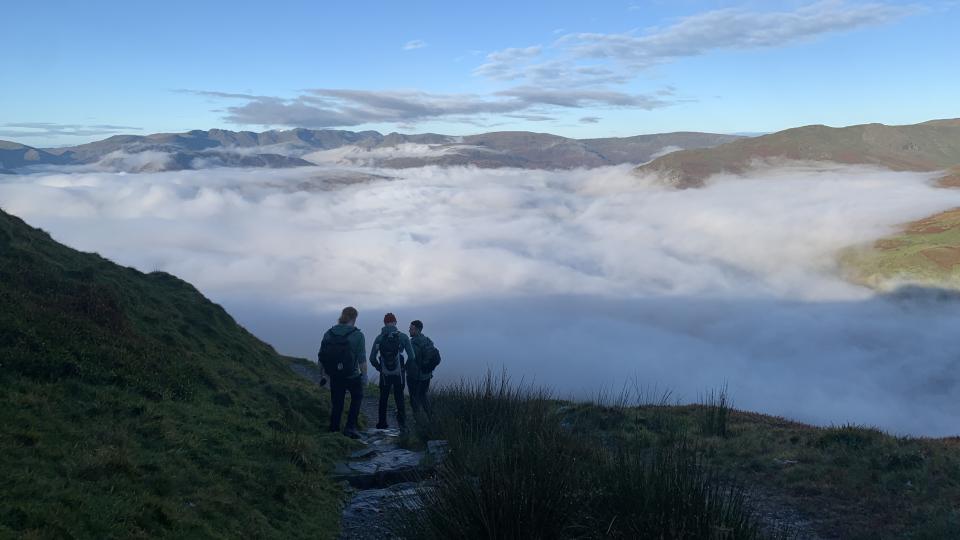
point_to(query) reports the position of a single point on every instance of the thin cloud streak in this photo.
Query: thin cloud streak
(55, 130)
(590, 58)
(325, 107)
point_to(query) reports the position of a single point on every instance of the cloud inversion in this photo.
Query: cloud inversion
(578, 280)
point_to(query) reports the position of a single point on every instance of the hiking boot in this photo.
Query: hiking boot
(352, 433)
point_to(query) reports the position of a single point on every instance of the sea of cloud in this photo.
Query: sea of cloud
(579, 280)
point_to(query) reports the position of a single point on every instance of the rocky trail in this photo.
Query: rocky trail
(381, 474)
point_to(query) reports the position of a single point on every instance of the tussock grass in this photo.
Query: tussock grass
(715, 416)
(518, 470)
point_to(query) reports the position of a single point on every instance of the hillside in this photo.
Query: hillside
(14, 155)
(134, 407)
(926, 252)
(929, 146)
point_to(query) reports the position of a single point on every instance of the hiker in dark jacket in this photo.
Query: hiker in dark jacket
(342, 354)
(420, 371)
(387, 358)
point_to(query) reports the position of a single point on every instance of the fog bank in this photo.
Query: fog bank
(578, 280)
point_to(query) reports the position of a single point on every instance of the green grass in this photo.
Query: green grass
(133, 407)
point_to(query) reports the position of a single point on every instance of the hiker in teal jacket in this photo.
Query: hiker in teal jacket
(419, 374)
(386, 355)
(352, 382)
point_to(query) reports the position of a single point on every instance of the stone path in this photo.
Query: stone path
(382, 475)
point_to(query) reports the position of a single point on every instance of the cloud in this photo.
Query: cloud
(579, 98)
(500, 64)
(53, 130)
(730, 29)
(585, 59)
(325, 107)
(589, 119)
(414, 44)
(575, 279)
(531, 117)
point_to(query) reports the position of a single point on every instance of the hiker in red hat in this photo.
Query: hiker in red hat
(387, 358)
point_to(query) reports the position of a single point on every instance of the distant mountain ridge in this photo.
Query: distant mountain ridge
(292, 148)
(928, 146)
(15, 155)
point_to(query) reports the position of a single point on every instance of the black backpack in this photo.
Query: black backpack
(430, 360)
(336, 357)
(390, 352)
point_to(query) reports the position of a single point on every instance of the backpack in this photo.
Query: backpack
(430, 360)
(390, 353)
(336, 357)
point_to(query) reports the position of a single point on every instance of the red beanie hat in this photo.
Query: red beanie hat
(389, 318)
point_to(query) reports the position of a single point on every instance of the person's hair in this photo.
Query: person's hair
(417, 324)
(389, 318)
(348, 314)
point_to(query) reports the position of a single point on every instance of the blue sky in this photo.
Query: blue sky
(80, 71)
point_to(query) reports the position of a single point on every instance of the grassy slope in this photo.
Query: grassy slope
(852, 482)
(921, 147)
(925, 252)
(132, 406)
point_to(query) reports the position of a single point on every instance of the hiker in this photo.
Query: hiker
(342, 358)
(387, 358)
(420, 371)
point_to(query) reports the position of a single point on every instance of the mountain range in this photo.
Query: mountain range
(929, 146)
(300, 147)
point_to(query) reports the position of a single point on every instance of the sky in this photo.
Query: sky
(80, 71)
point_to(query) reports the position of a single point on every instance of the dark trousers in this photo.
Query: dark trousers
(392, 383)
(418, 395)
(338, 391)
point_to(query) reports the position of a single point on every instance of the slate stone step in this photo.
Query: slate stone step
(365, 516)
(381, 468)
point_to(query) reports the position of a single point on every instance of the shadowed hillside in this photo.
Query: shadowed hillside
(135, 407)
(14, 155)
(929, 146)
